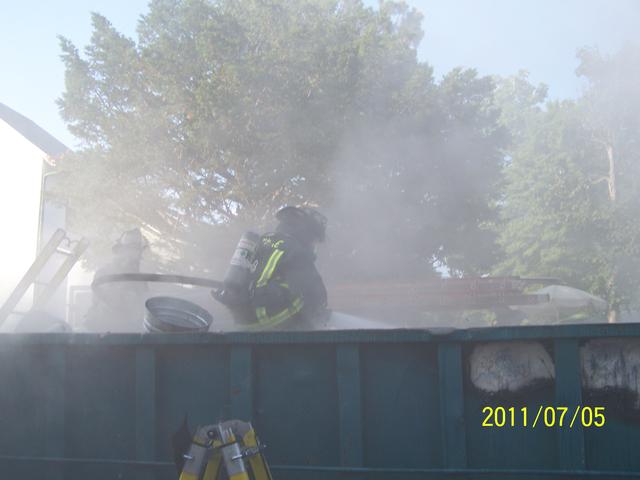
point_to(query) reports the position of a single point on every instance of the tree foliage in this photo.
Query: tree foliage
(220, 112)
(571, 195)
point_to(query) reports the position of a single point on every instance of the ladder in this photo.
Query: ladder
(41, 297)
(227, 450)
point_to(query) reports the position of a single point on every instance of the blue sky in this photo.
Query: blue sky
(493, 36)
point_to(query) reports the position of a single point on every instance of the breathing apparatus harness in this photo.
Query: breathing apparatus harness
(242, 279)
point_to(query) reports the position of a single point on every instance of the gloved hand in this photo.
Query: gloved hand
(230, 298)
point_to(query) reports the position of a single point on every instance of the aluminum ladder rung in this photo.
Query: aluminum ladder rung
(30, 277)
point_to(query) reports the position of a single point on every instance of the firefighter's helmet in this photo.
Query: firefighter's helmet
(306, 219)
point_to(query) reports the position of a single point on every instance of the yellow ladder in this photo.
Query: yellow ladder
(231, 447)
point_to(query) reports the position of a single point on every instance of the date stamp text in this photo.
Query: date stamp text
(544, 417)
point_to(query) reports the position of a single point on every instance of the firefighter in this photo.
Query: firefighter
(120, 307)
(285, 289)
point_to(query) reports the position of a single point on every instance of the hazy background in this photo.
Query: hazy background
(421, 136)
(494, 36)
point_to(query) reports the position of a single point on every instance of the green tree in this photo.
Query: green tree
(611, 119)
(571, 182)
(221, 112)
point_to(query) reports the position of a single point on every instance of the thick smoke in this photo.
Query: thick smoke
(408, 169)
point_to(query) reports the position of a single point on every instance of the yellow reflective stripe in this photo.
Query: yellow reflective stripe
(265, 321)
(261, 313)
(269, 268)
(280, 317)
(297, 304)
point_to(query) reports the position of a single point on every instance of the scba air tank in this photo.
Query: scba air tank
(242, 263)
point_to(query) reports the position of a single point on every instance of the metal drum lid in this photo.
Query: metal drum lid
(173, 315)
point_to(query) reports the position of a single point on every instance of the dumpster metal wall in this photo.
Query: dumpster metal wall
(341, 404)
